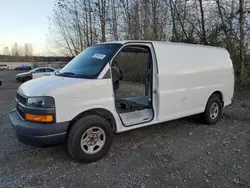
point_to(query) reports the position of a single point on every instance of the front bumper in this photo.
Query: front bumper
(38, 134)
(20, 79)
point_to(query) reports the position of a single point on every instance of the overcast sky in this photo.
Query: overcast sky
(25, 21)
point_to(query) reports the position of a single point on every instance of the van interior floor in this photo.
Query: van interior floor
(134, 110)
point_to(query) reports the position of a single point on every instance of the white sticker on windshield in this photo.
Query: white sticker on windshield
(99, 56)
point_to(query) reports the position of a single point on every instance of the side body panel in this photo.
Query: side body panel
(188, 75)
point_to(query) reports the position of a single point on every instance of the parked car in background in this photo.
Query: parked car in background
(55, 72)
(35, 73)
(3, 67)
(23, 67)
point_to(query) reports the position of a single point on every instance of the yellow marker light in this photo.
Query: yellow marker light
(39, 118)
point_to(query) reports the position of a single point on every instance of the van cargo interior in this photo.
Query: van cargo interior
(132, 82)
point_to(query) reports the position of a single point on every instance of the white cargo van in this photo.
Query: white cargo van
(118, 86)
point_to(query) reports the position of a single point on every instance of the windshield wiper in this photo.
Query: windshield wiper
(69, 74)
(84, 76)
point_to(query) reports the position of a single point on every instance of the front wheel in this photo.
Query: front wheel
(25, 79)
(213, 110)
(89, 138)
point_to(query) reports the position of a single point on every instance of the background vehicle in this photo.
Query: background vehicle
(22, 67)
(3, 67)
(35, 73)
(53, 73)
(91, 97)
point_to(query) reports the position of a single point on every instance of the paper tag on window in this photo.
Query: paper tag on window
(99, 56)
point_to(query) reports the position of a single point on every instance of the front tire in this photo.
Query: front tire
(213, 110)
(25, 79)
(89, 138)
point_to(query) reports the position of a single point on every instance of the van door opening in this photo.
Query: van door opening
(132, 76)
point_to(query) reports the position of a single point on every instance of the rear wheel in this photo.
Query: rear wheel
(89, 138)
(213, 110)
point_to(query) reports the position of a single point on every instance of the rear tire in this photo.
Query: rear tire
(89, 138)
(213, 110)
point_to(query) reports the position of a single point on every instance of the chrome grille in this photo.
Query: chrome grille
(20, 98)
(20, 113)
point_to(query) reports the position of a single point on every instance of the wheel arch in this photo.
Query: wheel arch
(217, 93)
(96, 111)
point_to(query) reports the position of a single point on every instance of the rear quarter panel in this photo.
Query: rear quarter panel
(188, 75)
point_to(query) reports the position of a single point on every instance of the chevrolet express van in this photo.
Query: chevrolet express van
(119, 86)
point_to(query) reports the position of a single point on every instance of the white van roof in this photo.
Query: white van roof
(164, 42)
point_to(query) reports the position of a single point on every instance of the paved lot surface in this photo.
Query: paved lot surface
(182, 153)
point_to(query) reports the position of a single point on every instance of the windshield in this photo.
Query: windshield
(90, 62)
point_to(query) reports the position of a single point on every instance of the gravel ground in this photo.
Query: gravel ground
(181, 153)
(129, 89)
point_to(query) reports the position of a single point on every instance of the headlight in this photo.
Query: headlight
(41, 102)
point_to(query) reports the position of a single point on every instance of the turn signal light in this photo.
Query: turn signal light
(39, 118)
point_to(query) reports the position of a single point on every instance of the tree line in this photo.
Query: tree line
(77, 24)
(24, 53)
(8, 58)
(18, 50)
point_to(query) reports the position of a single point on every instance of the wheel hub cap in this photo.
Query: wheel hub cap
(214, 110)
(93, 140)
